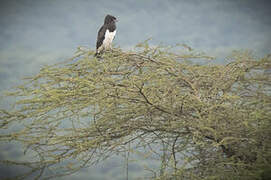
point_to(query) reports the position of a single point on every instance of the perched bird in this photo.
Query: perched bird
(106, 34)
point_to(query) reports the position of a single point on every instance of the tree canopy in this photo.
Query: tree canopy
(203, 120)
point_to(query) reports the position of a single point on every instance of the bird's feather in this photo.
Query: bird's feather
(100, 38)
(108, 38)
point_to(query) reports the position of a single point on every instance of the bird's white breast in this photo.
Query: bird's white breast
(108, 38)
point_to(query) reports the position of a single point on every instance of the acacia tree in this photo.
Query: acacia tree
(204, 121)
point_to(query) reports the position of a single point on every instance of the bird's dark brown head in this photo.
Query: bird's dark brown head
(109, 19)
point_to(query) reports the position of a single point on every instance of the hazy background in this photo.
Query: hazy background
(34, 33)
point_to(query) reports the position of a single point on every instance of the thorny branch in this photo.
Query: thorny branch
(84, 110)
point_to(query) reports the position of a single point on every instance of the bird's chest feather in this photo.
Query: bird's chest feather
(108, 38)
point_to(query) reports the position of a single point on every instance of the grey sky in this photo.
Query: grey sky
(39, 32)
(36, 32)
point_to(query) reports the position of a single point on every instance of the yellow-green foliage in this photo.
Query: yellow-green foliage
(213, 120)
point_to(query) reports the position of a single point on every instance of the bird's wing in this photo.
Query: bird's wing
(100, 37)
